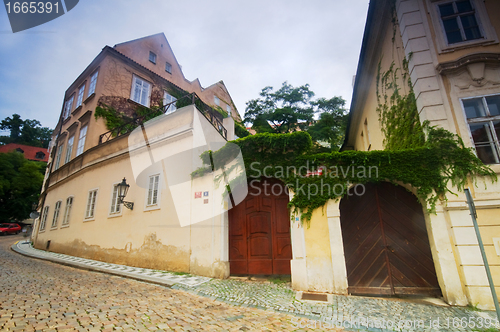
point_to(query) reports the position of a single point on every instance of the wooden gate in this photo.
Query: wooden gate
(259, 231)
(386, 244)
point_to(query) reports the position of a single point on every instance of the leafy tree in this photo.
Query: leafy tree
(285, 110)
(20, 184)
(330, 128)
(28, 132)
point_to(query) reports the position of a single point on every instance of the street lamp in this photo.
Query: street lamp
(122, 192)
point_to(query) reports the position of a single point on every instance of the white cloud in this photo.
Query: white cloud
(248, 45)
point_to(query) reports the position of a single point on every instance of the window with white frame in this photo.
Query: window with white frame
(67, 211)
(483, 117)
(69, 149)
(459, 21)
(57, 208)
(93, 82)
(152, 57)
(167, 99)
(67, 107)
(216, 100)
(115, 201)
(228, 110)
(154, 181)
(140, 91)
(168, 68)
(58, 156)
(81, 140)
(91, 200)
(45, 215)
(79, 100)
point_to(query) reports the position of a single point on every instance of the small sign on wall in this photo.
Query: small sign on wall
(197, 194)
(205, 201)
(205, 194)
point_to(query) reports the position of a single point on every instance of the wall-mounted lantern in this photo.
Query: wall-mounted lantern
(122, 192)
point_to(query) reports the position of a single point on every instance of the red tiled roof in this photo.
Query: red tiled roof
(28, 151)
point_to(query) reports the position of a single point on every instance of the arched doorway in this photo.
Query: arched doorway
(259, 231)
(386, 244)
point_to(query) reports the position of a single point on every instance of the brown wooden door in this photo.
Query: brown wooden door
(386, 244)
(259, 231)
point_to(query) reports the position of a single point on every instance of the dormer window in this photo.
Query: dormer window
(152, 57)
(20, 150)
(40, 155)
(168, 68)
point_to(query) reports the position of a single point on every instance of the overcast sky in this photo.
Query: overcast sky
(247, 44)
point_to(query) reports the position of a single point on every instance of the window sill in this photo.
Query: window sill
(136, 103)
(77, 110)
(64, 226)
(152, 208)
(89, 219)
(41, 231)
(115, 215)
(66, 120)
(89, 98)
(53, 228)
(468, 44)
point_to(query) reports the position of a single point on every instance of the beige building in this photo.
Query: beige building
(80, 209)
(387, 242)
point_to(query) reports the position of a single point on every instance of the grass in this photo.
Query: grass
(473, 307)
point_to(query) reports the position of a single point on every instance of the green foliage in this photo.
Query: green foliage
(331, 126)
(430, 168)
(20, 184)
(27, 132)
(240, 130)
(398, 114)
(288, 109)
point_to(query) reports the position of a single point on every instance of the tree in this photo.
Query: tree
(20, 184)
(28, 132)
(283, 111)
(330, 128)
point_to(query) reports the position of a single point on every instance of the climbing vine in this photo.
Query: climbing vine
(441, 160)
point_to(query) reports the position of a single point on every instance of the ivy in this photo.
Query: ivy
(441, 160)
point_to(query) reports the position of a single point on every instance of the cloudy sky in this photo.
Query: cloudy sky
(247, 44)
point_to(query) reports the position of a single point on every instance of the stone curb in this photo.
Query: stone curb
(162, 281)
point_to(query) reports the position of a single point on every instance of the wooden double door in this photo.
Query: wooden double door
(386, 244)
(259, 231)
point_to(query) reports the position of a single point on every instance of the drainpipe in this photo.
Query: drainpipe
(473, 214)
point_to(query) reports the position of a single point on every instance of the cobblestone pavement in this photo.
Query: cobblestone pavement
(36, 295)
(51, 295)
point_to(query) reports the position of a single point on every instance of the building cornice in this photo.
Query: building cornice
(461, 63)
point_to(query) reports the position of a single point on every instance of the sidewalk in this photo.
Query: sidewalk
(351, 312)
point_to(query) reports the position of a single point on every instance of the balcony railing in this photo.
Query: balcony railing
(214, 117)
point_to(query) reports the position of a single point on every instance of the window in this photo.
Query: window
(167, 99)
(67, 107)
(69, 149)
(56, 214)
(140, 91)
(228, 110)
(20, 150)
(168, 68)
(93, 82)
(89, 212)
(154, 180)
(115, 201)
(216, 100)
(67, 210)
(43, 221)
(459, 21)
(58, 157)
(80, 96)
(81, 140)
(483, 117)
(152, 57)
(40, 155)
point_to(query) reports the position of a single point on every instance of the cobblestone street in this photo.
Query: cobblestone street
(36, 295)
